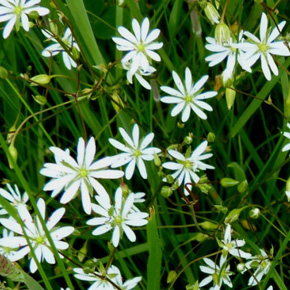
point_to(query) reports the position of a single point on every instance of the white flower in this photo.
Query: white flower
(140, 45)
(262, 265)
(11, 253)
(218, 274)
(187, 166)
(134, 152)
(81, 174)
(117, 217)
(36, 234)
(129, 284)
(232, 246)
(16, 13)
(139, 74)
(13, 196)
(100, 281)
(56, 48)
(264, 47)
(188, 97)
(226, 50)
(287, 135)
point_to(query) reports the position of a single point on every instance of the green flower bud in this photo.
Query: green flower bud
(175, 185)
(53, 27)
(13, 156)
(228, 182)
(3, 73)
(169, 179)
(157, 160)
(209, 226)
(222, 33)
(117, 101)
(83, 251)
(180, 125)
(41, 100)
(254, 213)
(230, 97)
(75, 53)
(211, 13)
(171, 276)
(243, 186)
(210, 137)
(33, 15)
(192, 287)
(188, 140)
(221, 208)
(42, 79)
(125, 189)
(234, 215)
(166, 191)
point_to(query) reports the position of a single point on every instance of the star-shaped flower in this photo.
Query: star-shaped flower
(13, 196)
(16, 13)
(140, 45)
(188, 97)
(81, 174)
(117, 217)
(219, 275)
(36, 234)
(56, 48)
(232, 246)
(264, 47)
(134, 152)
(287, 135)
(187, 166)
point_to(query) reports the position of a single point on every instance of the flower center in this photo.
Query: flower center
(40, 240)
(141, 47)
(229, 246)
(83, 172)
(117, 220)
(18, 11)
(137, 153)
(188, 98)
(187, 164)
(263, 47)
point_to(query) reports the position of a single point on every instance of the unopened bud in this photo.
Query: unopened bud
(228, 182)
(254, 213)
(209, 226)
(125, 189)
(13, 156)
(171, 276)
(33, 14)
(188, 140)
(210, 137)
(41, 100)
(8, 269)
(180, 125)
(222, 33)
(230, 97)
(83, 251)
(75, 53)
(243, 186)
(241, 267)
(53, 27)
(117, 101)
(42, 79)
(288, 189)
(166, 191)
(211, 13)
(233, 215)
(169, 179)
(157, 160)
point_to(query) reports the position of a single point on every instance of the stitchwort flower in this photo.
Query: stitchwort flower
(264, 47)
(81, 174)
(13, 196)
(134, 152)
(36, 234)
(56, 48)
(16, 13)
(140, 45)
(187, 166)
(188, 97)
(117, 217)
(287, 135)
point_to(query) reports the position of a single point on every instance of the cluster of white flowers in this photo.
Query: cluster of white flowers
(248, 51)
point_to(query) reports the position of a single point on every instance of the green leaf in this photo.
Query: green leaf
(31, 283)
(154, 261)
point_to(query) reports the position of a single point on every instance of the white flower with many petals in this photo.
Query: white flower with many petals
(101, 281)
(134, 152)
(140, 45)
(264, 47)
(13, 196)
(188, 97)
(127, 285)
(117, 217)
(56, 48)
(219, 275)
(36, 234)
(16, 13)
(226, 50)
(81, 174)
(140, 73)
(187, 166)
(232, 246)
